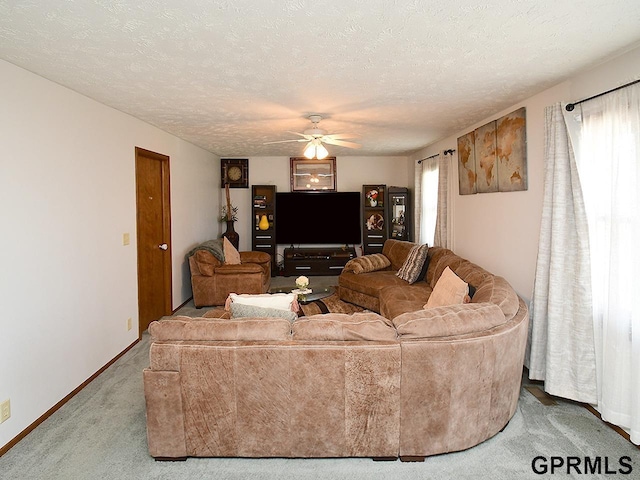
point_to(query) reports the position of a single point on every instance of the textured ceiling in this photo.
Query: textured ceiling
(229, 75)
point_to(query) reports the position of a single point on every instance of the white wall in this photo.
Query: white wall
(67, 195)
(352, 173)
(499, 231)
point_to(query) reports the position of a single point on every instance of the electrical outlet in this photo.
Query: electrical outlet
(126, 239)
(5, 410)
(129, 323)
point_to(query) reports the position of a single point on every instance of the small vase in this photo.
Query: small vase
(264, 223)
(231, 234)
(373, 202)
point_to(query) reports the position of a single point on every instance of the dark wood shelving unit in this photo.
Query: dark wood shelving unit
(374, 218)
(264, 204)
(399, 213)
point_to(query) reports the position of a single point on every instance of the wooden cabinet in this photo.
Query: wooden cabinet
(399, 213)
(263, 236)
(316, 261)
(374, 218)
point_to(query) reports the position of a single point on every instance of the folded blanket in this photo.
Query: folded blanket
(212, 246)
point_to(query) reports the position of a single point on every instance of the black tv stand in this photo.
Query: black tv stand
(316, 261)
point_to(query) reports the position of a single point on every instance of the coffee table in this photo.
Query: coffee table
(316, 293)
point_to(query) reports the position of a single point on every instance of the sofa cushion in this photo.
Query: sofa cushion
(396, 251)
(343, 327)
(412, 266)
(441, 258)
(255, 257)
(449, 290)
(239, 310)
(370, 283)
(203, 329)
(468, 318)
(498, 291)
(239, 269)
(231, 255)
(367, 263)
(396, 300)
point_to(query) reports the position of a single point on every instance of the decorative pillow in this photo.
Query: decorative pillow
(449, 290)
(239, 310)
(412, 266)
(367, 263)
(425, 267)
(231, 255)
(282, 301)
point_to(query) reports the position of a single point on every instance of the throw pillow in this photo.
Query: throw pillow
(367, 263)
(239, 310)
(449, 290)
(412, 266)
(231, 255)
(282, 301)
(423, 272)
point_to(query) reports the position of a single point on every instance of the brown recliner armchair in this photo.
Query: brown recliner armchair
(212, 281)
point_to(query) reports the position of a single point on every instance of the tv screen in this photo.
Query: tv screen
(318, 218)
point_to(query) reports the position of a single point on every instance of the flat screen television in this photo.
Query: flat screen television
(318, 218)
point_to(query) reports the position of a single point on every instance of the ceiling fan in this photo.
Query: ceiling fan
(315, 137)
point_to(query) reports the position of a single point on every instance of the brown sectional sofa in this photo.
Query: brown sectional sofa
(408, 383)
(383, 292)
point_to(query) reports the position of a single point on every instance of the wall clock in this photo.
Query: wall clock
(235, 172)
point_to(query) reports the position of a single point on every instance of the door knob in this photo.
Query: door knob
(163, 246)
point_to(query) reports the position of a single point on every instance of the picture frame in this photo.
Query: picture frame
(235, 172)
(313, 175)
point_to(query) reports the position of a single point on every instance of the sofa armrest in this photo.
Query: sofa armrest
(240, 269)
(255, 257)
(449, 321)
(203, 263)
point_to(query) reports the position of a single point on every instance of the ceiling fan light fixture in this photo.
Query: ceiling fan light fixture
(310, 151)
(316, 139)
(321, 152)
(315, 149)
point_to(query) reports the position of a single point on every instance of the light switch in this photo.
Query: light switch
(125, 239)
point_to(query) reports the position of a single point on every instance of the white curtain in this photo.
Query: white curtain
(561, 350)
(608, 162)
(417, 209)
(441, 235)
(426, 225)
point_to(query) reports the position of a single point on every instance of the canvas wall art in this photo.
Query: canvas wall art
(493, 158)
(512, 152)
(467, 164)
(486, 166)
